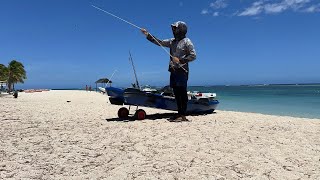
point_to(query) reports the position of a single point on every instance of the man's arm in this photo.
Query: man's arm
(156, 41)
(190, 53)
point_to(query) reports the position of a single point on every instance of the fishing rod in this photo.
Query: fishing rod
(181, 65)
(134, 70)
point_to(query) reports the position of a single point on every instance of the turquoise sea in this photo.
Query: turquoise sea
(286, 100)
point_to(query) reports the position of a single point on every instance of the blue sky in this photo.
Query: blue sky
(71, 44)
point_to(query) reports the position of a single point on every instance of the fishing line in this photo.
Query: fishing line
(109, 80)
(181, 65)
(117, 17)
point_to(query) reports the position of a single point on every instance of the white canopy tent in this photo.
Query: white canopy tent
(3, 83)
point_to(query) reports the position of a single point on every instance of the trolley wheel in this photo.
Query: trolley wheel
(140, 114)
(123, 112)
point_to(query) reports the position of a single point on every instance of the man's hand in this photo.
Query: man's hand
(176, 60)
(144, 31)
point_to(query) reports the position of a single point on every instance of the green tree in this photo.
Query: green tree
(13, 74)
(3, 73)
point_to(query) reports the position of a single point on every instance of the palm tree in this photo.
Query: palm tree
(13, 74)
(3, 75)
(3, 72)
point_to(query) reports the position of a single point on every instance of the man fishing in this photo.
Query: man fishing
(181, 53)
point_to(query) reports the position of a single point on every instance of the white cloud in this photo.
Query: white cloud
(204, 11)
(295, 2)
(258, 7)
(275, 8)
(312, 9)
(265, 6)
(258, 3)
(219, 4)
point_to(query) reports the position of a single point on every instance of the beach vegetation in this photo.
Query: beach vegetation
(3, 72)
(13, 73)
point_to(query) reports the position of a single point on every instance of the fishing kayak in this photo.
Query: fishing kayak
(136, 97)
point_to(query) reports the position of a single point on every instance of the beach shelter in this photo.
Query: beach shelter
(3, 84)
(103, 81)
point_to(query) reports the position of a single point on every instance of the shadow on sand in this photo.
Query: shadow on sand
(157, 116)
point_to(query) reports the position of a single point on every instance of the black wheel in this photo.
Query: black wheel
(140, 114)
(123, 112)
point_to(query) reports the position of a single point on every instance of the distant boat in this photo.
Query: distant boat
(102, 89)
(148, 88)
(199, 95)
(3, 85)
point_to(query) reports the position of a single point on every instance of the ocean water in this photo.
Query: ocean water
(285, 100)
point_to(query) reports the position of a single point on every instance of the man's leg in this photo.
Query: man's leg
(184, 100)
(177, 95)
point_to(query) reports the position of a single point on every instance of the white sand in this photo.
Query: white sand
(42, 136)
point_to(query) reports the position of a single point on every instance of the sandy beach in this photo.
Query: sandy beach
(42, 136)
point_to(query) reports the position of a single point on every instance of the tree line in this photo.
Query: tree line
(12, 74)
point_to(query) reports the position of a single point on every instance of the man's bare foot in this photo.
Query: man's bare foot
(184, 118)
